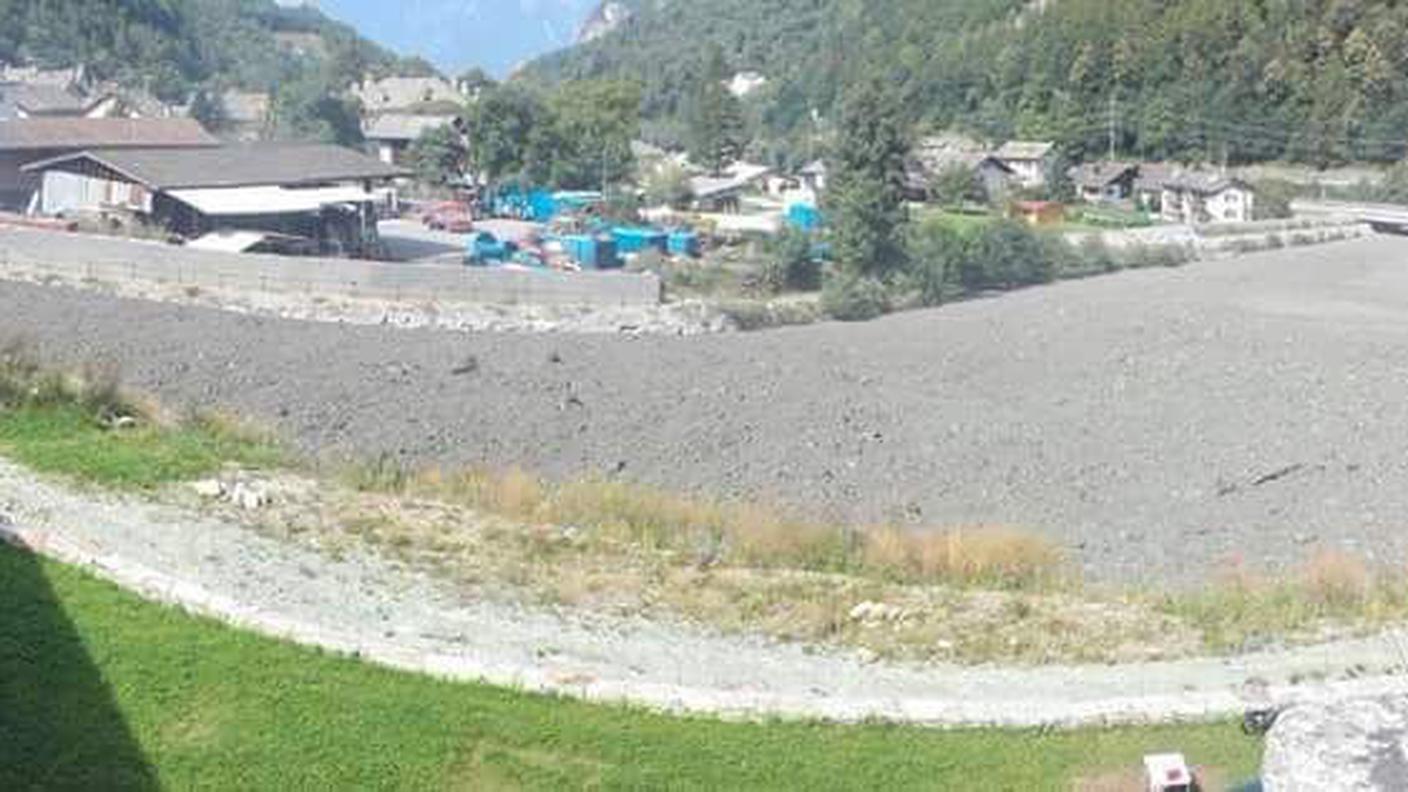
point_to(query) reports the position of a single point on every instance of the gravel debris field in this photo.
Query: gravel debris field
(1157, 423)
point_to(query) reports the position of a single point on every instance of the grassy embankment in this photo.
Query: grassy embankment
(99, 689)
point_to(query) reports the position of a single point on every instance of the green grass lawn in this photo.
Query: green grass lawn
(101, 690)
(67, 439)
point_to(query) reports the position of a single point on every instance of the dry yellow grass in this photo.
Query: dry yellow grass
(709, 533)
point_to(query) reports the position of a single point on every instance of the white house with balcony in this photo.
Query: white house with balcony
(1197, 197)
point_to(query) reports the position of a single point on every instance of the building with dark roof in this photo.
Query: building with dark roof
(390, 135)
(1104, 182)
(27, 140)
(322, 192)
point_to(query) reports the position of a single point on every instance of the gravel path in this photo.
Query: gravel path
(1158, 423)
(388, 615)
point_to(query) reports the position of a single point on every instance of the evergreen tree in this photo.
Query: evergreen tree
(865, 196)
(716, 117)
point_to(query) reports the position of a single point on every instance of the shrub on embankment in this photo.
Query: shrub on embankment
(945, 264)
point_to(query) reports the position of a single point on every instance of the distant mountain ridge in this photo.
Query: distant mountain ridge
(1248, 80)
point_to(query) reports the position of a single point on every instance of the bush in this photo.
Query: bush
(855, 299)
(1095, 255)
(937, 253)
(790, 265)
(668, 186)
(1006, 254)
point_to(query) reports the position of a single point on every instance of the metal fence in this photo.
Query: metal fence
(112, 260)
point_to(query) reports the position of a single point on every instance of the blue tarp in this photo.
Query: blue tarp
(804, 217)
(539, 205)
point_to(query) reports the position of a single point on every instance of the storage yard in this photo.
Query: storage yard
(1163, 422)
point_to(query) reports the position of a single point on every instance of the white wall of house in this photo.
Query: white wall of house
(1029, 173)
(67, 193)
(1233, 205)
(1229, 205)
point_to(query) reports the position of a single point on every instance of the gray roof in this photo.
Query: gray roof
(49, 134)
(45, 99)
(236, 166)
(399, 93)
(1020, 150)
(1205, 182)
(401, 126)
(936, 153)
(1102, 174)
(1152, 175)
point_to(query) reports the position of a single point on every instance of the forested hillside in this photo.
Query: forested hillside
(1310, 80)
(176, 46)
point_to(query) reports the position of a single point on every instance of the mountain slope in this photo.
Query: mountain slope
(176, 45)
(1317, 80)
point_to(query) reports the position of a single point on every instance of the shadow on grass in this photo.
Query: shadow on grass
(60, 727)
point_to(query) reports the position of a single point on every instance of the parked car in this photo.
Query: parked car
(452, 216)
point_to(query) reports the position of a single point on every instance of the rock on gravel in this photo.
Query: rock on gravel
(1158, 424)
(1348, 746)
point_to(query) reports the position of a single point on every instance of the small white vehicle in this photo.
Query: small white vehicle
(1169, 773)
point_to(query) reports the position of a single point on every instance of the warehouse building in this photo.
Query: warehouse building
(327, 194)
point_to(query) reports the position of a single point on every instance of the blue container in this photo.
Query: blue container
(804, 217)
(637, 240)
(591, 251)
(684, 243)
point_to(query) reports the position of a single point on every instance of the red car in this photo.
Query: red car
(450, 216)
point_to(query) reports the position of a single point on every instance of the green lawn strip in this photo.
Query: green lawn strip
(66, 439)
(95, 681)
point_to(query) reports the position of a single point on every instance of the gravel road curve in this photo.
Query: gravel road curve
(1157, 423)
(360, 604)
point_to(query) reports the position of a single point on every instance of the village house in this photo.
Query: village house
(1196, 197)
(1148, 189)
(315, 191)
(812, 177)
(29, 140)
(1105, 182)
(418, 95)
(935, 154)
(1028, 160)
(724, 193)
(390, 135)
(30, 92)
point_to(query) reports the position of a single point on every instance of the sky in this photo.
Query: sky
(496, 35)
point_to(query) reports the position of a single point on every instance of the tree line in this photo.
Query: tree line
(1318, 81)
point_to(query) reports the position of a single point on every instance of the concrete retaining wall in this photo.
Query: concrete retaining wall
(119, 260)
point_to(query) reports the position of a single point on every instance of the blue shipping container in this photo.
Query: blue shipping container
(684, 243)
(636, 240)
(591, 252)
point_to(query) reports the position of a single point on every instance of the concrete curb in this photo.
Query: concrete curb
(1133, 708)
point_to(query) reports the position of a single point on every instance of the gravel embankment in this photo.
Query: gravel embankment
(1158, 423)
(356, 603)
